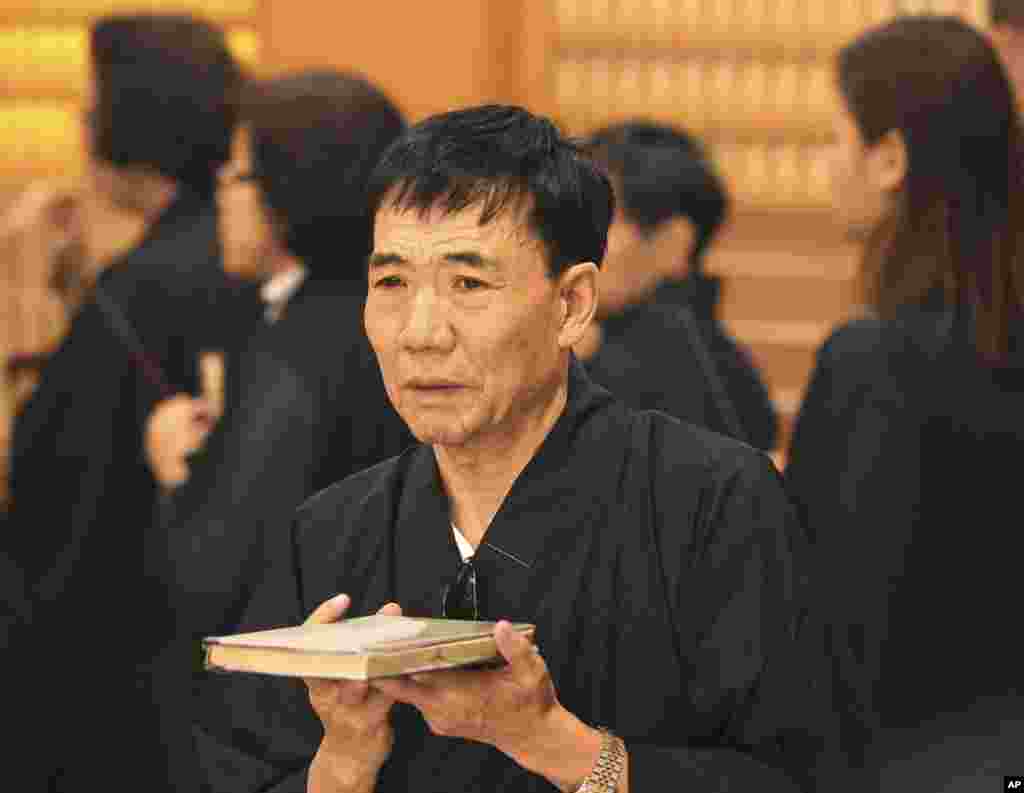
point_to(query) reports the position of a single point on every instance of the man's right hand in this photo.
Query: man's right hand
(357, 730)
(176, 428)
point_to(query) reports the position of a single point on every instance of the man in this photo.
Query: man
(1008, 37)
(159, 119)
(660, 344)
(654, 557)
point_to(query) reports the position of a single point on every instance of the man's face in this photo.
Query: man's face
(465, 322)
(246, 236)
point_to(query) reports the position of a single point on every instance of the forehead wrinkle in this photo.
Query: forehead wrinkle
(412, 235)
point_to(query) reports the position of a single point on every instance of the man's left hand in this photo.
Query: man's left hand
(514, 708)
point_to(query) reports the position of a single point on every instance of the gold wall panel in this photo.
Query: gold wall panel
(70, 11)
(753, 78)
(50, 60)
(38, 138)
(42, 60)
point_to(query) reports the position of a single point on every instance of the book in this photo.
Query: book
(362, 648)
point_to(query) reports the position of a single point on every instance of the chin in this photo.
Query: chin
(435, 435)
(436, 431)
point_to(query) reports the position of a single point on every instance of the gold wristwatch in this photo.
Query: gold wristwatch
(604, 776)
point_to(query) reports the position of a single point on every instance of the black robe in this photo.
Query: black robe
(903, 465)
(82, 503)
(671, 353)
(657, 561)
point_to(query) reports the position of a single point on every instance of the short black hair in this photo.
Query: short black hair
(661, 172)
(500, 157)
(1007, 12)
(317, 136)
(166, 96)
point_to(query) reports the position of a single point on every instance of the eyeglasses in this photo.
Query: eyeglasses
(459, 598)
(231, 176)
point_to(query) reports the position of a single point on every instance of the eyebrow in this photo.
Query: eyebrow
(467, 258)
(385, 260)
(471, 259)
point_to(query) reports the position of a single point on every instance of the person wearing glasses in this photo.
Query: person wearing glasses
(654, 557)
(305, 404)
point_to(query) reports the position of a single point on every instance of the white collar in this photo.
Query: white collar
(279, 289)
(465, 549)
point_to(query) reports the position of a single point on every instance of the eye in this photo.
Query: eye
(388, 282)
(467, 283)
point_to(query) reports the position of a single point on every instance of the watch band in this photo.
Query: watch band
(604, 776)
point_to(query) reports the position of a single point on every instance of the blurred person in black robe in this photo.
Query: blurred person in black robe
(306, 405)
(655, 557)
(903, 454)
(158, 123)
(660, 344)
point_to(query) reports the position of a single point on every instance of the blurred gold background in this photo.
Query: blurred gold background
(751, 77)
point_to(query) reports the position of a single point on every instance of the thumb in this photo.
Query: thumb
(330, 610)
(519, 651)
(390, 610)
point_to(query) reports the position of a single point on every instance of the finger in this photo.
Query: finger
(521, 654)
(441, 678)
(390, 610)
(329, 696)
(330, 610)
(403, 689)
(378, 704)
(351, 692)
(211, 372)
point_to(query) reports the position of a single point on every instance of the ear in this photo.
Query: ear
(577, 296)
(889, 161)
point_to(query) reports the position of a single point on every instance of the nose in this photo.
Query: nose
(427, 325)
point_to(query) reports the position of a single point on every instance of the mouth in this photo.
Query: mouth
(434, 386)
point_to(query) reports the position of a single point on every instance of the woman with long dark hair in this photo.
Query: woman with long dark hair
(903, 456)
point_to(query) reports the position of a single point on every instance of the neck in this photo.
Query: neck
(144, 192)
(478, 476)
